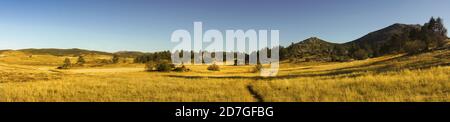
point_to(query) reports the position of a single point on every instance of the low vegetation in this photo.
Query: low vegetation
(419, 77)
(66, 65)
(213, 67)
(258, 67)
(164, 66)
(182, 68)
(431, 84)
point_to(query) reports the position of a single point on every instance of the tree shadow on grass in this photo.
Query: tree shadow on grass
(377, 67)
(331, 75)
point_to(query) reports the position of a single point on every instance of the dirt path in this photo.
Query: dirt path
(254, 93)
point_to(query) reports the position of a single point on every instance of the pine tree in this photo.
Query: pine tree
(434, 33)
(66, 65)
(81, 60)
(115, 59)
(360, 54)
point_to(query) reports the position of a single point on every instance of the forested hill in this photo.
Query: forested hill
(397, 38)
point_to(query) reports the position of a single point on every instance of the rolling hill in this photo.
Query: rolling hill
(62, 52)
(312, 49)
(394, 39)
(384, 35)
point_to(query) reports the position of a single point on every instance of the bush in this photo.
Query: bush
(214, 67)
(164, 67)
(67, 64)
(100, 62)
(150, 66)
(81, 60)
(340, 58)
(181, 69)
(413, 47)
(115, 59)
(361, 54)
(257, 68)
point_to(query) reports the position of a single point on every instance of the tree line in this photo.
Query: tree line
(396, 39)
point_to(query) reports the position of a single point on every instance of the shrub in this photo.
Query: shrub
(115, 59)
(81, 60)
(181, 69)
(214, 67)
(164, 66)
(413, 47)
(67, 64)
(257, 68)
(337, 58)
(102, 61)
(361, 54)
(150, 66)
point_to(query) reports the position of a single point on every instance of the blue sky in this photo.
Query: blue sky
(146, 25)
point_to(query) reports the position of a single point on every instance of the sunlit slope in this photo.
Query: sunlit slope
(20, 73)
(31, 59)
(18, 57)
(420, 77)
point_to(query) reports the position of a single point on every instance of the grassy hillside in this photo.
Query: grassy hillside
(23, 58)
(420, 77)
(19, 73)
(35, 59)
(423, 77)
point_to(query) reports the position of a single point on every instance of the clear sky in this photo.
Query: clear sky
(146, 25)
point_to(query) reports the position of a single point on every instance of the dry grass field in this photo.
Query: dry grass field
(421, 77)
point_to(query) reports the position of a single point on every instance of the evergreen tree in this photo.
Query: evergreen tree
(434, 33)
(361, 54)
(413, 47)
(66, 65)
(115, 59)
(81, 60)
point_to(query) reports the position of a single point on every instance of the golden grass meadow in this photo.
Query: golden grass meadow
(391, 78)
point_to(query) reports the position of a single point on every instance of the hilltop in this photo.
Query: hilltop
(387, 33)
(312, 49)
(62, 52)
(394, 39)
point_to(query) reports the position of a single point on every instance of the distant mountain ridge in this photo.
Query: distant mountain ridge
(62, 52)
(130, 54)
(76, 52)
